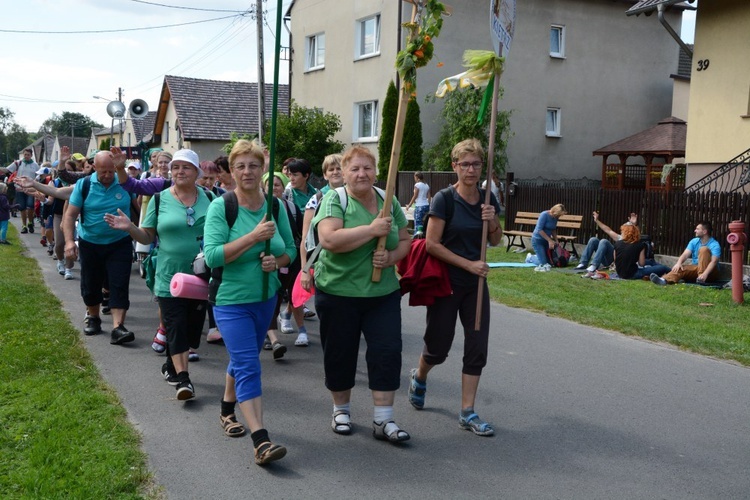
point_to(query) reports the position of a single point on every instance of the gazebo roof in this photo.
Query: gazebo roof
(665, 138)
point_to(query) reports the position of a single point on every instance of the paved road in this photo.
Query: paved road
(580, 413)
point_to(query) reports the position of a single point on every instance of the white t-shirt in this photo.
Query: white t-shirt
(24, 169)
(423, 190)
(495, 188)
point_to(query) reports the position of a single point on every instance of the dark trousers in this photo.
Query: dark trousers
(183, 319)
(343, 320)
(441, 329)
(102, 264)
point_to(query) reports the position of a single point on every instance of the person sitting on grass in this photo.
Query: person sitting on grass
(601, 249)
(704, 251)
(630, 255)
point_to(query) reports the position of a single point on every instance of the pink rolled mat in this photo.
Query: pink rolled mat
(299, 294)
(187, 286)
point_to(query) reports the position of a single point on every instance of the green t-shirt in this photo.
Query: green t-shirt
(242, 280)
(300, 198)
(349, 274)
(178, 242)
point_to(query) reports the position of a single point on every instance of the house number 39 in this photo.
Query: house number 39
(703, 64)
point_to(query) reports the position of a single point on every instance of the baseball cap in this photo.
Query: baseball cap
(78, 157)
(55, 163)
(43, 171)
(133, 165)
(189, 156)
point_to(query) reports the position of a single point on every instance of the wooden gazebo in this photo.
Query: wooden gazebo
(657, 146)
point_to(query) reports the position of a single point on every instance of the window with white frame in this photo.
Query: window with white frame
(553, 122)
(557, 41)
(368, 36)
(316, 52)
(366, 121)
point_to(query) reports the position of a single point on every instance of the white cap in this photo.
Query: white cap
(189, 156)
(133, 165)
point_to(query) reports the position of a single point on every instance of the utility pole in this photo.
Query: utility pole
(261, 80)
(119, 98)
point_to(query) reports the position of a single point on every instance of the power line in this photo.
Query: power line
(186, 8)
(17, 98)
(122, 30)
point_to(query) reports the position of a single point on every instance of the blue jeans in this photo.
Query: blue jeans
(602, 251)
(540, 246)
(419, 213)
(3, 230)
(658, 269)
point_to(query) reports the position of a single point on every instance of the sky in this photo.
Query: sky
(43, 72)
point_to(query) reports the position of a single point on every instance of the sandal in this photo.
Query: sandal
(417, 390)
(193, 356)
(159, 344)
(341, 422)
(267, 346)
(267, 452)
(396, 436)
(231, 426)
(278, 350)
(476, 425)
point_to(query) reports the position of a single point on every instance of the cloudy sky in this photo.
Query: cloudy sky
(57, 54)
(59, 65)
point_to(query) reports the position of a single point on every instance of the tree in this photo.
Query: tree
(411, 143)
(104, 144)
(69, 124)
(387, 127)
(459, 118)
(13, 138)
(305, 133)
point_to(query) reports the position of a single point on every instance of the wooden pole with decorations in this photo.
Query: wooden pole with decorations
(425, 24)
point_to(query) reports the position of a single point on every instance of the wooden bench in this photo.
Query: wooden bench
(525, 222)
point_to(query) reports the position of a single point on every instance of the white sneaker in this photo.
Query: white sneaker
(580, 266)
(68, 274)
(285, 324)
(529, 258)
(542, 268)
(61, 267)
(591, 268)
(547, 267)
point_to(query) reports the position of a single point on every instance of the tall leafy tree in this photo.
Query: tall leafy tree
(411, 143)
(13, 137)
(387, 128)
(459, 118)
(305, 133)
(69, 123)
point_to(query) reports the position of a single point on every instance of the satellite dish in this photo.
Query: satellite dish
(116, 109)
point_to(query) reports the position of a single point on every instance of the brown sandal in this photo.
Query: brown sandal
(267, 452)
(231, 426)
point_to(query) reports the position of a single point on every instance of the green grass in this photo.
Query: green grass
(63, 431)
(698, 319)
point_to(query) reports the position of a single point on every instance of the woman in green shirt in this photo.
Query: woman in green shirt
(350, 304)
(242, 313)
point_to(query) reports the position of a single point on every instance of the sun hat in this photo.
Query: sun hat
(78, 157)
(189, 156)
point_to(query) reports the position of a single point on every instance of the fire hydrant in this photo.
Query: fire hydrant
(736, 238)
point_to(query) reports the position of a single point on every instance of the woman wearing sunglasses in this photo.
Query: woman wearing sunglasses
(179, 225)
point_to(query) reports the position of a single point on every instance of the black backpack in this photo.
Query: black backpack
(447, 194)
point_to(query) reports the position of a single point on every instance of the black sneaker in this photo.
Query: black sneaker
(92, 325)
(24, 230)
(185, 388)
(120, 335)
(169, 374)
(31, 228)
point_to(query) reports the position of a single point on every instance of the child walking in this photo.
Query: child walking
(5, 208)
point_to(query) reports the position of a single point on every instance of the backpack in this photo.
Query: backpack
(231, 210)
(558, 256)
(312, 241)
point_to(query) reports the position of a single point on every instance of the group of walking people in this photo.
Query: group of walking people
(246, 242)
